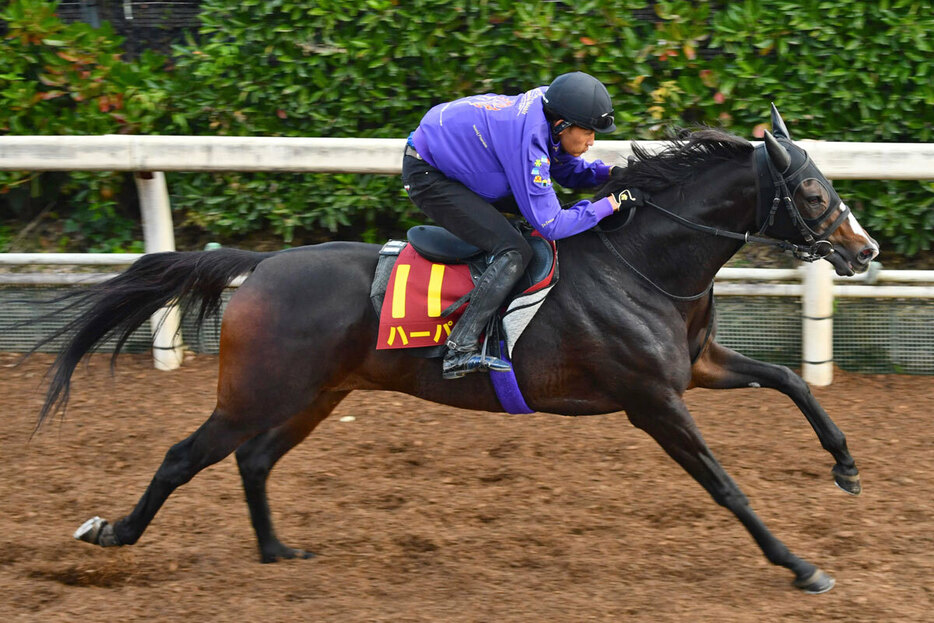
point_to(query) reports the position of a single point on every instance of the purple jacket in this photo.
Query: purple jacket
(498, 145)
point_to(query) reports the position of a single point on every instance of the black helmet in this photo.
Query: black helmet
(581, 99)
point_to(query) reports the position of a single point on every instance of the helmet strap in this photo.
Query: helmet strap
(560, 126)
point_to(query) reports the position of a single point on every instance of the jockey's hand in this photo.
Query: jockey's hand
(628, 198)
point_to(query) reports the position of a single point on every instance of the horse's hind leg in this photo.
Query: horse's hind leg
(215, 439)
(668, 421)
(256, 458)
(722, 368)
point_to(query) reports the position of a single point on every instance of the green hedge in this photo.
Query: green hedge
(839, 71)
(71, 79)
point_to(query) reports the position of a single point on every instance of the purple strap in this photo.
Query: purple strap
(507, 388)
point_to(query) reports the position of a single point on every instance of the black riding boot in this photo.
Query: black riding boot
(494, 285)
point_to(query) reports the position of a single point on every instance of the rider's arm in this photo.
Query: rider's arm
(572, 172)
(531, 182)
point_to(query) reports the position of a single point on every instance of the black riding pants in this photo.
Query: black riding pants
(461, 211)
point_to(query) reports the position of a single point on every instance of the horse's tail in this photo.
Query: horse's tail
(118, 307)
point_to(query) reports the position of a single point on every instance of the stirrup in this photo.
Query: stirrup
(457, 364)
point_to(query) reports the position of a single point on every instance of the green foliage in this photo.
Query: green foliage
(838, 71)
(71, 79)
(901, 213)
(6, 236)
(344, 69)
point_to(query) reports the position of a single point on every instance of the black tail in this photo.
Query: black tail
(118, 307)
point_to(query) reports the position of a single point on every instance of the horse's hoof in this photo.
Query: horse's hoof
(816, 583)
(849, 483)
(90, 530)
(97, 531)
(283, 552)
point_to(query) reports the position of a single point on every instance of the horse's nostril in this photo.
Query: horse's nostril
(865, 256)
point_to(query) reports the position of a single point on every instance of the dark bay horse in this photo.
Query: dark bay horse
(629, 327)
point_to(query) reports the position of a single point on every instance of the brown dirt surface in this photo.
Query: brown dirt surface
(420, 512)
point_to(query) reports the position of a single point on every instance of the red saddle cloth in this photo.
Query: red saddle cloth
(418, 291)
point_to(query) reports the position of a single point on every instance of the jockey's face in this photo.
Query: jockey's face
(575, 140)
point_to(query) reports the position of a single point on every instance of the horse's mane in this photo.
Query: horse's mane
(688, 152)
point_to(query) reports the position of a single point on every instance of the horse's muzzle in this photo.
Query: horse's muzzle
(847, 263)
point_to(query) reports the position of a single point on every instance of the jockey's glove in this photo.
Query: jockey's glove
(628, 198)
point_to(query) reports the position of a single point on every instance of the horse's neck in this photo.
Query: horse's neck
(676, 258)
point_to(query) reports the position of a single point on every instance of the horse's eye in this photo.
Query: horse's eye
(814, 200)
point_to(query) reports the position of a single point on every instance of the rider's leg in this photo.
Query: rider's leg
(473, 219)
(494, 285)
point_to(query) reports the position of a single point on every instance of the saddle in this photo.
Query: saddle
(422, 285)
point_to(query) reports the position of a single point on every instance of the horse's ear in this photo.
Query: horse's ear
(778, 125)
(777, 153)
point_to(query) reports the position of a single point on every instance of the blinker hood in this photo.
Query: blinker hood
(779, 187)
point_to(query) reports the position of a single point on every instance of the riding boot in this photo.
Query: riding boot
(494, 285)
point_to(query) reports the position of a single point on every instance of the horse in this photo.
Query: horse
(629, 328)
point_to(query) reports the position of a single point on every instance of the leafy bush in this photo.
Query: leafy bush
(341, 68)
(71, 79)
(840, 71)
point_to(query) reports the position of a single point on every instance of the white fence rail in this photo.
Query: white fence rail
(150, 156)
(837, 160)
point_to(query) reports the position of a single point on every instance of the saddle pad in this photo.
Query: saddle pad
(522, 309)
(417, 293)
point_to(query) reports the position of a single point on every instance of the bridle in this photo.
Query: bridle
(777, 184)
(775, 225)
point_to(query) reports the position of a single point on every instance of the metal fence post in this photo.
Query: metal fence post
(817, 324)
(158, 235)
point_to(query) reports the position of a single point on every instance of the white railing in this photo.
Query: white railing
(837, 160)
(149, 156)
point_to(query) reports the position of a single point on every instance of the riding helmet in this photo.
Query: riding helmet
(581, 99)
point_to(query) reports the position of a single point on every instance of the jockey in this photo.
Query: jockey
(472, 159)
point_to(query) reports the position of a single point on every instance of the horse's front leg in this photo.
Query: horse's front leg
(722, 368)
(666, 418)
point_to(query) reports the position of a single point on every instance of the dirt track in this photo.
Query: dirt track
(425, 513)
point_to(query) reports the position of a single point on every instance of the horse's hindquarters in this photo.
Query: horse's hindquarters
(299, 325)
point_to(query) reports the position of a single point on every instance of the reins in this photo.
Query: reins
(816, 248)
(706, 229)
(612, 248)
(706, 291)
